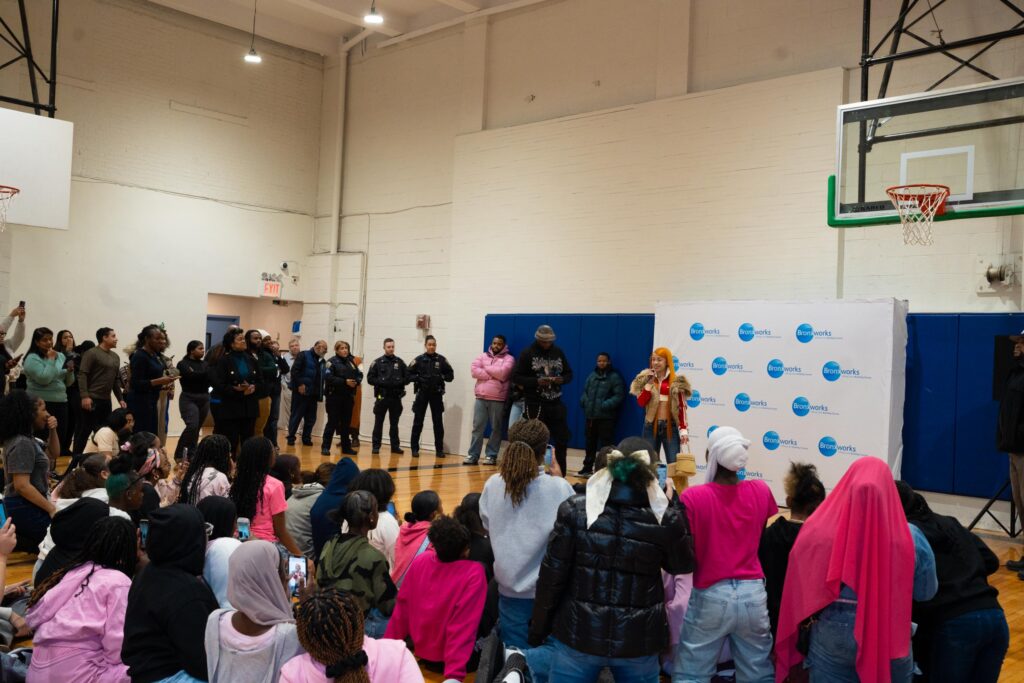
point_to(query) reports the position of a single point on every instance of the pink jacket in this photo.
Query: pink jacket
(439, 607)
(410, 540)
(492, 374)
(389, 662)
(78, 631)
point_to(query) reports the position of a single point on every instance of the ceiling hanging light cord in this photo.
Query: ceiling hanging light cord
(252, 56)
(372, 17)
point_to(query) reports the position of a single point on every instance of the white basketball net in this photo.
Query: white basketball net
(917, 206)
(7, 195)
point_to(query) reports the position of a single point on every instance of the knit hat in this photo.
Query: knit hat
(544, 334)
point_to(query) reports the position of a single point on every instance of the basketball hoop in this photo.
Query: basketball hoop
(7, 195)
(918, 205)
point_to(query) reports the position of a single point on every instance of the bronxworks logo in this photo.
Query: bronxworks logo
(832, 371)
(772, 441)
(776, 369)
(720, 366)
(747, 332)
(697, 400)
(698, 332)
(803, 407)
(743, 403)
(828, 447)
(678, 365)
(806, 332)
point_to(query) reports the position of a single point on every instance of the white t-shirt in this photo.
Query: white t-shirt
(105, 442)
(62, 503)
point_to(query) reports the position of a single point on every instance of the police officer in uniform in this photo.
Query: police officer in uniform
(388, 376)
(428, 374)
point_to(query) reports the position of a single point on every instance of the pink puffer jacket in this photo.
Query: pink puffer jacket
(492, 374)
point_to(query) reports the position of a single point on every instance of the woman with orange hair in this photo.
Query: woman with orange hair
(662, 394)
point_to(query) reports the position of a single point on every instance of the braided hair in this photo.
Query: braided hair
(329, 624)
(518, 468)
(110, 544)
(533, 432)
(254, 463)
(213, 451)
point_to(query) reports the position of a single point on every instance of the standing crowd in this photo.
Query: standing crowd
(226, 562)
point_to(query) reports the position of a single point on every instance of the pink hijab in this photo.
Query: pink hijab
(858, 537)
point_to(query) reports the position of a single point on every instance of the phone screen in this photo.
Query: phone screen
(297, 575)
(662, 475)
(549, 454)
(392, 510)
(143, 530)
(243, 529)
(3, 514)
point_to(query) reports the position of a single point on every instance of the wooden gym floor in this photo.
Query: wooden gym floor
(452, 480)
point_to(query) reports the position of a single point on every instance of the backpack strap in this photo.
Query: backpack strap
(422, 549)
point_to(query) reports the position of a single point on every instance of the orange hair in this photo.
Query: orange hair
(667, 355)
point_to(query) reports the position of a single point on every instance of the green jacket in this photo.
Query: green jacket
(602, 395)
(351, 564)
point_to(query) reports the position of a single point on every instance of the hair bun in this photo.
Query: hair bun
(120, 465)
(411, 518)
(354, 662)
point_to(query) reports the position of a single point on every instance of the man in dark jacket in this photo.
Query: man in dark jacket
(602, 397)
(168, 603)
(600, 591)
(388, 376)
(542, 370)
(428, 373)
(1010, 431)
(307, 391)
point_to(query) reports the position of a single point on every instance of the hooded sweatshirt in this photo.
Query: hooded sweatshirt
(350, 564)
(492, 373)
(324, 529)
(79, 627)
(297, 516)
(389, 661)
(169, 603)
(410, 540)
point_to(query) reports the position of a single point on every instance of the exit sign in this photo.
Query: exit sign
(271, 289)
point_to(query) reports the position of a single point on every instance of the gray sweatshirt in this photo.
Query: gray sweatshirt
(296, 517)
(519, 535)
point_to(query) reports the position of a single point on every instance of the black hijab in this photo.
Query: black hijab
(177, 538)
(69, 529)
(221, 513)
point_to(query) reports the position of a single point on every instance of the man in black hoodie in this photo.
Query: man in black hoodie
(542, 370)
(168, 603)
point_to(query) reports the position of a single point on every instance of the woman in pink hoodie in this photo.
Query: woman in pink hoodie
(330, 629)
(78, 612)
(412, 537)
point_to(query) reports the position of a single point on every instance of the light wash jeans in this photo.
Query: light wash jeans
(514, 619)
(574, 666)
(180, 677)
(516, 413)
(485, 412)
(833, 654)
(731, 609)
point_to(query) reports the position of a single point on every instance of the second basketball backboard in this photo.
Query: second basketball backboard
(35, 157)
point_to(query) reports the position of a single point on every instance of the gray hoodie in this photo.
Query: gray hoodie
(296, 517)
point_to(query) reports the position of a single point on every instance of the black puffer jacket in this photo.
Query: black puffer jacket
(600, 589)
(1010, 433)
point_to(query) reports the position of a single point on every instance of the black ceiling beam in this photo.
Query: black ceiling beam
(952, 45)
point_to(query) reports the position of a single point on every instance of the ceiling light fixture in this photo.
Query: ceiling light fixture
(372, 17)
(253, 57)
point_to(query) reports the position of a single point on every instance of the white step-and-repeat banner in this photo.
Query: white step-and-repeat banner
(819, 382)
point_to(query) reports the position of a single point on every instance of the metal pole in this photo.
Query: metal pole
(865, 67)
(953, 45)
(53, 58)
(897, 31)
(28, 54)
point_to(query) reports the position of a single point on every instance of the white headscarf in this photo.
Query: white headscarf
(599, 487)
(726, 448)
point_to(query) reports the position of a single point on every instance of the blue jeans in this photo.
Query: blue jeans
(970, 648)
(30, 522)
(574, 666)
(485, 412)
(667, 437)
(180, 677)
(514, 618)
(516, 412)
(733, 609)
(375, 623)
(833, 654)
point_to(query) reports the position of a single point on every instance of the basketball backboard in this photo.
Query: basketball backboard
(35, 157)
(968, 138)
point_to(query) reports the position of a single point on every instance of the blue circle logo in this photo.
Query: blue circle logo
(696, 332)
(719, 366)
(831, 371)
(742, 402)
(746, 332)
(776, 369)
(804, 333)
(694, 400)
(827, 446)
(771, 440)
(711, 429)
(801, 406)
(742, 474)
(675, 363)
